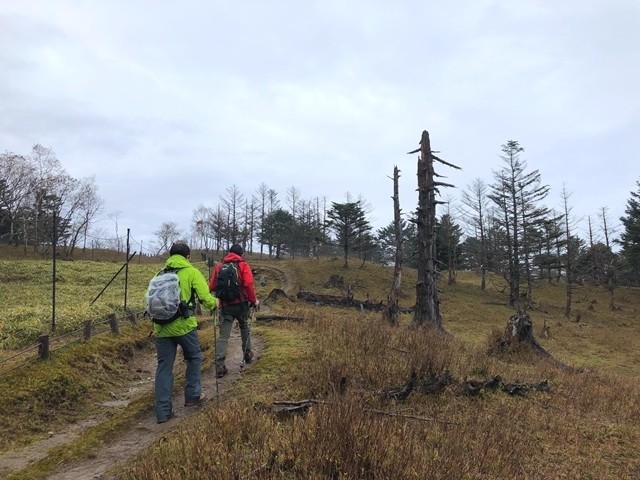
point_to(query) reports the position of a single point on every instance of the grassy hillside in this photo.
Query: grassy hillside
(586, 426)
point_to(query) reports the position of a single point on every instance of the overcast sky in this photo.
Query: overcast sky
(170, 103)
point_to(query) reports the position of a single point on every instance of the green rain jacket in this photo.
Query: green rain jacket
(191, 279)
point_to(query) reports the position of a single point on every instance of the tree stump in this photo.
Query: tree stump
(519, 332)
(520, 328)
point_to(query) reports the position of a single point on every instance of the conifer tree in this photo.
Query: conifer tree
(630, 237)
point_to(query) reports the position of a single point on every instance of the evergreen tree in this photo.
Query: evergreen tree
(518, 195)
(448, 235)
(474, 211)
(276, 230)
(349, 223)
(630, 238)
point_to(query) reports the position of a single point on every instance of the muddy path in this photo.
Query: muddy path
(125, 445)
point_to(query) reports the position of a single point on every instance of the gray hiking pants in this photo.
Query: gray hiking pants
(166, 348)
(229, 313)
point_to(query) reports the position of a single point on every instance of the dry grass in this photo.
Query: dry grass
(587, 426)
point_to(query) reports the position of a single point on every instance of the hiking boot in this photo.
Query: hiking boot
(196, 402)
(248, 356)
(221, 371)
(166, 419)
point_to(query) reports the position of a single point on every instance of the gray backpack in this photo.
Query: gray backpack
(162, 299)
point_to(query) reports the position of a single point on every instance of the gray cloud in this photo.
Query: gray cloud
(323, 96)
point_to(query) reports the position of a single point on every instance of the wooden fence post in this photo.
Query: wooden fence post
(87, 329)
(43, 347)
(113, 322)
(133, 317)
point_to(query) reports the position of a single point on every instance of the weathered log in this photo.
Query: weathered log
(335, 300)
(519, 388)
(287, 408)
(271, 318)
(401, 393)
(434, 384)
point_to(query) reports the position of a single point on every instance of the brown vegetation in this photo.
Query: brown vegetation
(386, 401)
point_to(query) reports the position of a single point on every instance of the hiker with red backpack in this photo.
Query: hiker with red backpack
(232, 283)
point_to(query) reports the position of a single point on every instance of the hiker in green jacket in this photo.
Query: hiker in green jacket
(181, 331)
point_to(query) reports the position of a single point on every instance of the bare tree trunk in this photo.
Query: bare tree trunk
(427, 302)
(569, 263)
(390, 313)
(610, 267)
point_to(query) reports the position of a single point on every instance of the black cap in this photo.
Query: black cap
(237, 249)
(180, 249)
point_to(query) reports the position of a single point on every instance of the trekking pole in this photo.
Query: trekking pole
(215, 352)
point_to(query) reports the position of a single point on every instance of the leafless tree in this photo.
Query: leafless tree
(293, 201)
(249, 224)
(570, 253)
(475, 199)
(15, 183)
(167, 235)
(200, 227)
(83, 207)
(262, 196)
(216, 226)
(232, 204)
(47, 174)
(115, 218)
(273, 204)
(609, 267)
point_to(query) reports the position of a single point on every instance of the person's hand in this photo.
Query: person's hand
(257, 304)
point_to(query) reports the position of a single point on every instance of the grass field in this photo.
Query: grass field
(587, 425)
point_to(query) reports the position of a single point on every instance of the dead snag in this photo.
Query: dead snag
(390, 312)
(427, 308)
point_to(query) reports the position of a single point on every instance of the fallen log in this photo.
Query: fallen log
(272, 318)
(435, 384)
(338, 301)
(288, 408)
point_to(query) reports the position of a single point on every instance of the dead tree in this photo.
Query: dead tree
(390, 313)
(427, 304)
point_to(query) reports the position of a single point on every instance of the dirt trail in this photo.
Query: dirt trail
(127, 445)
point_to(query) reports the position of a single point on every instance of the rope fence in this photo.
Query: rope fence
(47, 345)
